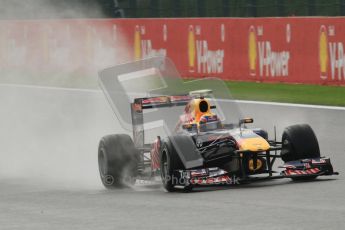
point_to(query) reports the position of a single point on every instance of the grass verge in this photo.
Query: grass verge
(290, 93)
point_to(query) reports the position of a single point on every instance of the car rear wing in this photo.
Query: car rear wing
(141, 104)
(161, 101)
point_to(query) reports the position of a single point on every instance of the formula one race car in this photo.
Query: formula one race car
(201, 148)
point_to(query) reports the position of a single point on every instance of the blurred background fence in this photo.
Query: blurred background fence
(31, 9)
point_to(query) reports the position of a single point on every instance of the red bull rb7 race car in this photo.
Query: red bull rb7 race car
(204, 151)
(190, 137)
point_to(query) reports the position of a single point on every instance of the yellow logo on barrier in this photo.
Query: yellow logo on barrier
(323, 52)
(137, 43)
(3, 50)
(191, 49)
(252, 51)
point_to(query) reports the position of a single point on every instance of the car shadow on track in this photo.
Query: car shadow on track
(158, 188)
(255, 185)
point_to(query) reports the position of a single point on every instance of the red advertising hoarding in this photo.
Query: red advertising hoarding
(294, 50)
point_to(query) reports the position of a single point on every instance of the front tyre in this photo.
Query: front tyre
(299, 142)
(170, 162)
(166, 170)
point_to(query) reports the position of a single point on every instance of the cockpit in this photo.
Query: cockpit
(198, 114)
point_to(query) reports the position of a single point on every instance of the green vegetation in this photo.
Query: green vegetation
(291, 93)
(39, 9)
(230, 8)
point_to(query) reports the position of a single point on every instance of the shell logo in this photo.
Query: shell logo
(114, 34)
(323, 52)
(137, 43)
(165, 33)
(252, 50)
(222, 33)
(288, 33)
(2, 48)
(191, 49)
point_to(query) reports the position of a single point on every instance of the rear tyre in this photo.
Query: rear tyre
(117, 160)
(169, 162)
(299, 142)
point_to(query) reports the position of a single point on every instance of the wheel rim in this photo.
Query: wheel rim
(164, 166)
(102, 163)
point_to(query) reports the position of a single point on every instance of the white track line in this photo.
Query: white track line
(291, 105)
(238, 101)
(52, 88)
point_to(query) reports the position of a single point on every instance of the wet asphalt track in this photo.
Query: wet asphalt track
(49, 177)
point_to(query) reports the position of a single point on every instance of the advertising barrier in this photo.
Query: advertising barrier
(292, 50)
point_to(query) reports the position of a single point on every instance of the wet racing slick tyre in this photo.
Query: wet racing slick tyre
(170, 161)
(117, 160)
(299, 142)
